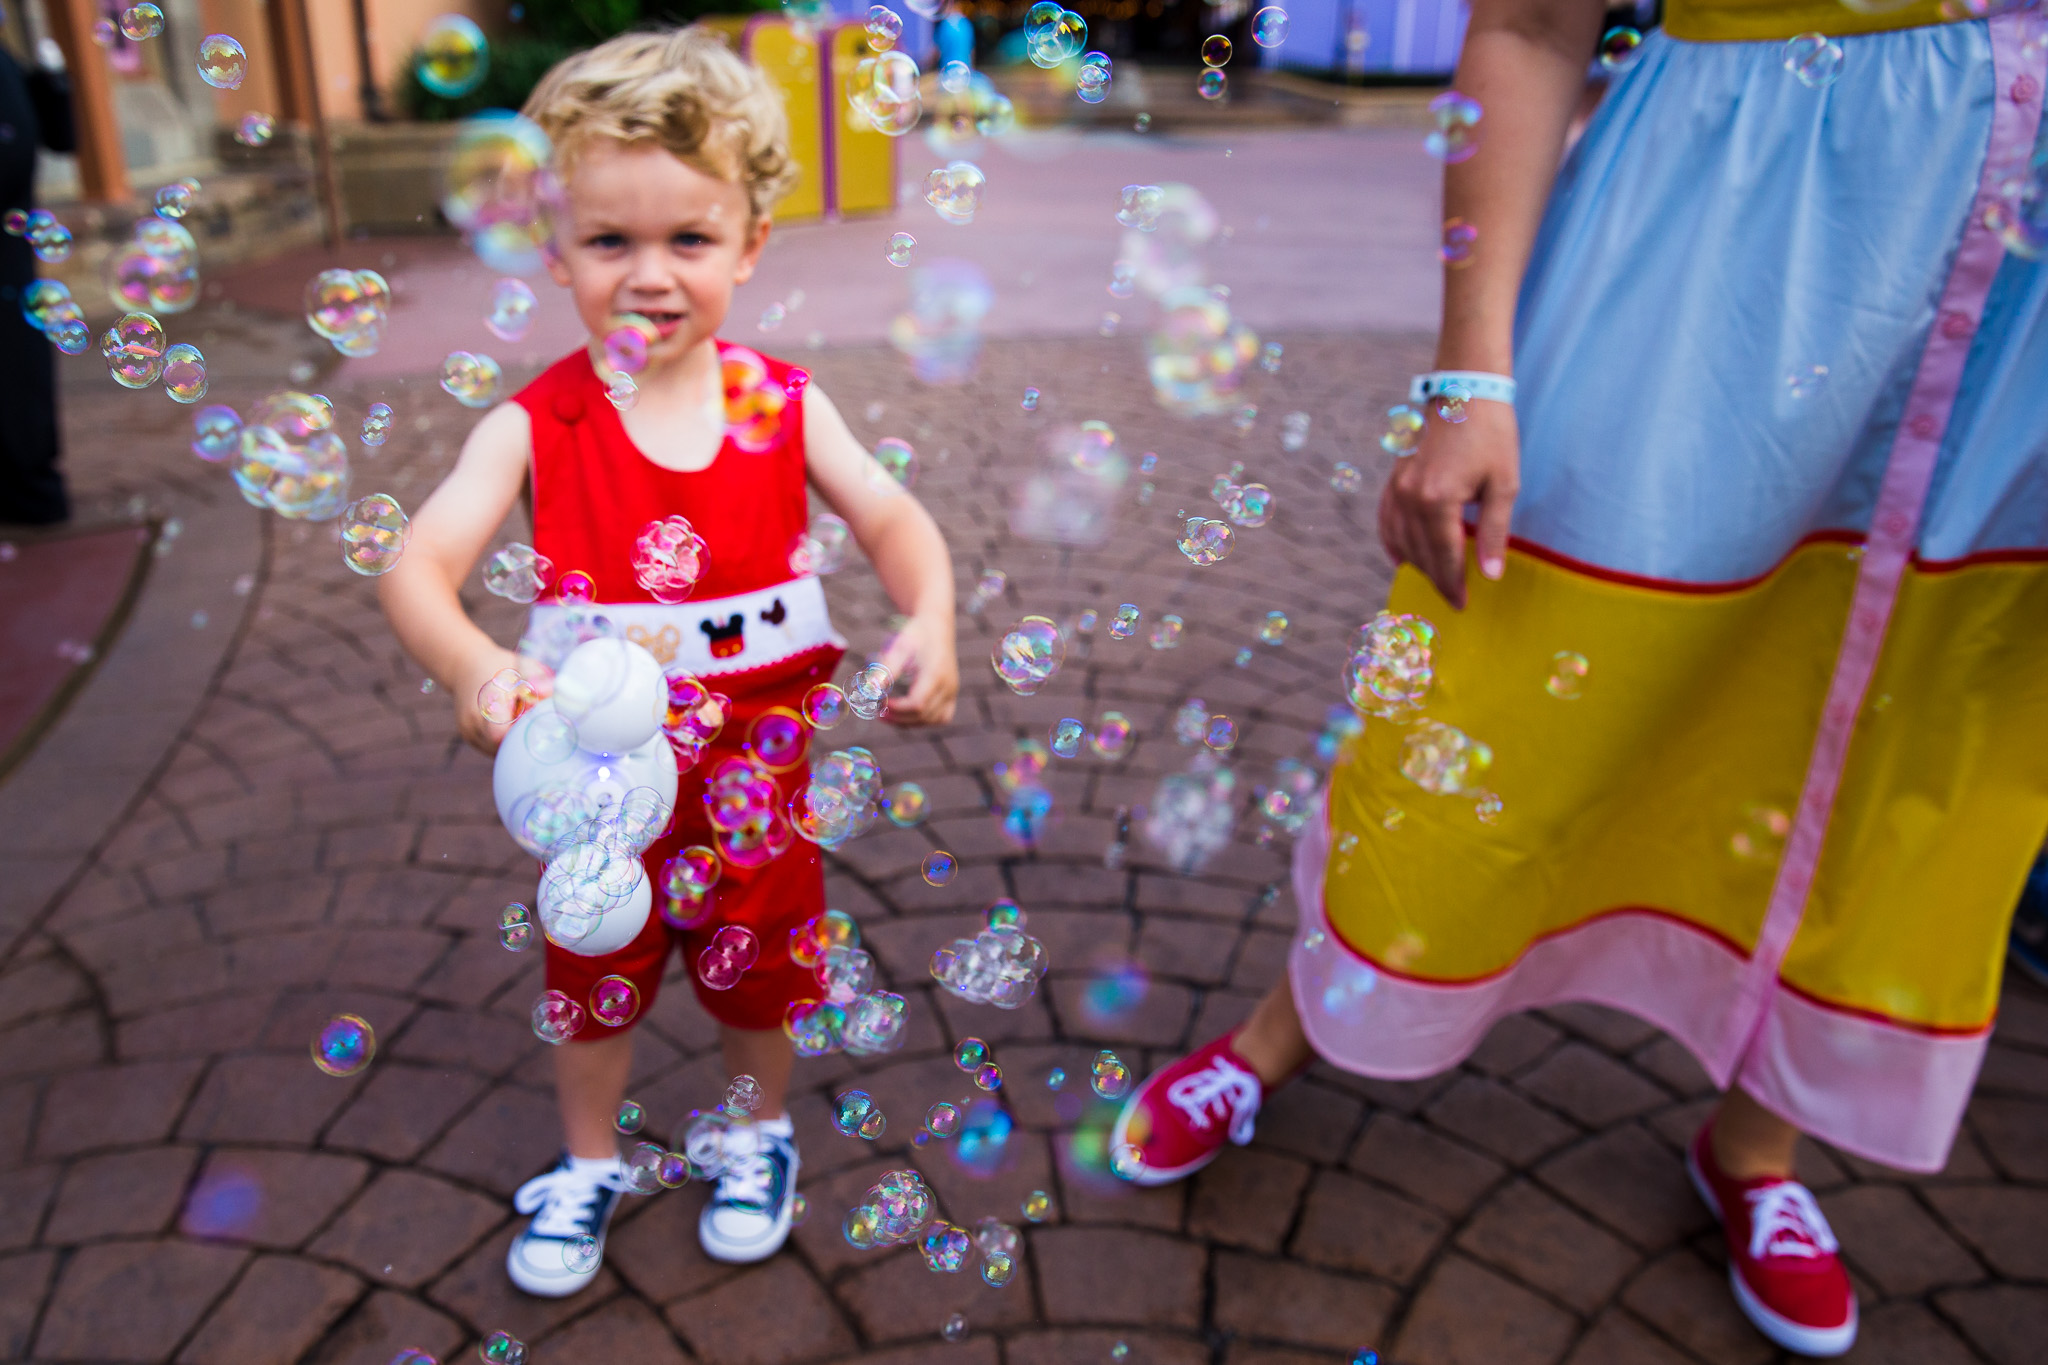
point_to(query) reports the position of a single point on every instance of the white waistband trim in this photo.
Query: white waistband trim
(709, 638)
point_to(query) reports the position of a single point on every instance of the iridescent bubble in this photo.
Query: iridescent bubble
(1166, 631)
(1404, 431)
(898, 460)
(216, 433)
(824, 706)
(512, 305)
(630, 1118)
(1211, 84)
(518, 572)
(174, 200)
(15, 222)
(938, 867)
(823, 547)
(255, 130)
(883, 90)
(955, 191)
(954, 1328)
(1815, 59)
(1221, 733)
(184, 373)
(1456, 251)
(470, 379)
(942, 1120)
(900, 246)
(1250, 506)
(1806, 381)
(1216, 49)
(499, 191)
(344, 303)
(50, 240)
(946, 1248)
(374, 533)
(743, 1095)
(1390, 670)
(1269, 26)
(580, 1254)
(515, 927)
(852, 1111)
(1455, 137)
(1029, 654)
(142, 22)
(996, 1269)
(556, 1018)
(905, 804)
(1111, 738)
(453, 56)
(157, 269)
(1056, 1078)
(1126, 1161)
(614, 1001)
(969, 1054)
(1139, 208)
(1442, 759)
(1125, 623)
(884, 27)
(222, 63)
(733, 949)
(1454, 403)
(1273, 630)
(1066, 737)
(1004, 912)
(377, 424)
(1567, 680)
(988, 1076)
(1030, 403)
(1618, 47)
(346, 1043)
(1111, 1077)
(134, 351)
(1488, 807)
(502, 1348)
(1037, 1206)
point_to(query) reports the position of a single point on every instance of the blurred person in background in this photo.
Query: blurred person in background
(35, 111)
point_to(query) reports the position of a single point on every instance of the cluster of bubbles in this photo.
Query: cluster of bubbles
(49, 239)
(1290, 798)
(349, 308)
(749, 827)
(1025, 803)
(1455, 137)
(1814, 59)
(518, 573)
(999, 966)
(895, 1211)
(1390, 671)
(344, 1045)
(592, 855)
(156, 269)
(855, 1114)
(841, 800)
(374, 533)
(668, 558)
(732, 950)
(969, 107)
(470, 378)
(883, 89)
(853, 1016)
(693, 718)
(1053, 34)
(453, 56)
(1092, 84)
(377, 424)
(50, 309)
(1443, 760)
(290, 459)
(1193, 812)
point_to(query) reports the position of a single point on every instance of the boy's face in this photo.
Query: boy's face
(642, 232)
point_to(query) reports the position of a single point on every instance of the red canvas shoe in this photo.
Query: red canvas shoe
(1178, 1119)
(1782, 1259)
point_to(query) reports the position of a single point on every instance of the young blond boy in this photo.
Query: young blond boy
(671, 152)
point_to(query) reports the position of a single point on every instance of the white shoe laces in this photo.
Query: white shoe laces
(1785, 1221)
(747, 1183)
(563, 1201)
(1231, 1090)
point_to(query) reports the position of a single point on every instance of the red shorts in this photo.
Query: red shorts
(771, 900)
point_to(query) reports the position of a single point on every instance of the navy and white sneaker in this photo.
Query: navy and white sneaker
(748, 1218)
(2030, 924)
(573, 1201)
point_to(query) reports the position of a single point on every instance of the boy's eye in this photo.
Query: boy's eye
(692, 239)
(607, 241)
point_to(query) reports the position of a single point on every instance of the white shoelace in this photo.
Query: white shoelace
(1784, 1221)
(563, 1201)
(749, 1182)
(1233, 1091)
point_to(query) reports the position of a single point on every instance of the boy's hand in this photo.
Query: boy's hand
(485, 735)
(925, 646)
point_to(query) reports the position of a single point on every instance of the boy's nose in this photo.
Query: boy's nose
(648, 272)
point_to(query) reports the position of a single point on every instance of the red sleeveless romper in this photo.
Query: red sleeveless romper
(751, 629)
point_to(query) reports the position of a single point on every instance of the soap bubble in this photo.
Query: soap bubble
(1250, 505)
(349, 308)
(512, 305)
(1127, 1161)
(939, 867)
(733, 949)
(1269, 26)
(824, 706)
(1091, 83)
(470, 379)
(883, 90)
(377, 424)
(1443, 759)
(1037, 1206)
(1404, 431)
(184, 373)
(1111, 738)
(614, 1001)
(1139, 208)
(1030, 403)
(854, 1112)
(1212, 84)
(996, 1269)
(1618, 47)
(1125, 623)
(1066, 737)
(743, 1095)
(1053, 34)
(1192, 813)
(515, 927)
(942, 1120)
(900, 246)
(1273, 630)
(134, 351)
(345, 1044)
(216, 433)
(823, 546)
(156, 269)
(374, 533)
(898, 460)
(1815, 59)
(502, 1348)
(630, 1118)
(1198, 354)
(49, 239)
(556, 1017)
(969, 1054)
(1346, 477)
(1567, 680)
(1456, 251)
(999, 966)
(1205, 540)
(1455, 137)
(867, 691)
(1390, 670)
(1216, 50)
(947, 1248)
(884, 27)
(453, 56)
(1029, 654)
(142, 22)
(222, 63)
(498, 190)
(668, 558)
(291, 461)
(905, 804)
(1454, 402)
(254, 130)
(955, 191)
(518, 572)
(581, 1253)
(1111, 1077)
(988, 1076)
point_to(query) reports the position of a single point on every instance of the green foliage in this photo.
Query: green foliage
(549, 30)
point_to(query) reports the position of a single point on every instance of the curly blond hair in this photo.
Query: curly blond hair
(683, 89)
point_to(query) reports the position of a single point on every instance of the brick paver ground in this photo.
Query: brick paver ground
(177, 1181)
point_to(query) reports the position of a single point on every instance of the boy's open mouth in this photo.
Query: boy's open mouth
(664, 323)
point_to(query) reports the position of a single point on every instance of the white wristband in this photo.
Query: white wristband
(1497, 388)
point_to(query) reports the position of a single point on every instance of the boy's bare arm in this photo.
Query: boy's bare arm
(449, 534)
(909, 554)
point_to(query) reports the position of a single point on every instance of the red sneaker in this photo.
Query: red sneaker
(1781, 1256)
(1180, 1116)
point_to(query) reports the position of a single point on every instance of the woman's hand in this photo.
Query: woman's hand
(1422, 507)
(925, 647)
(483, 734)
